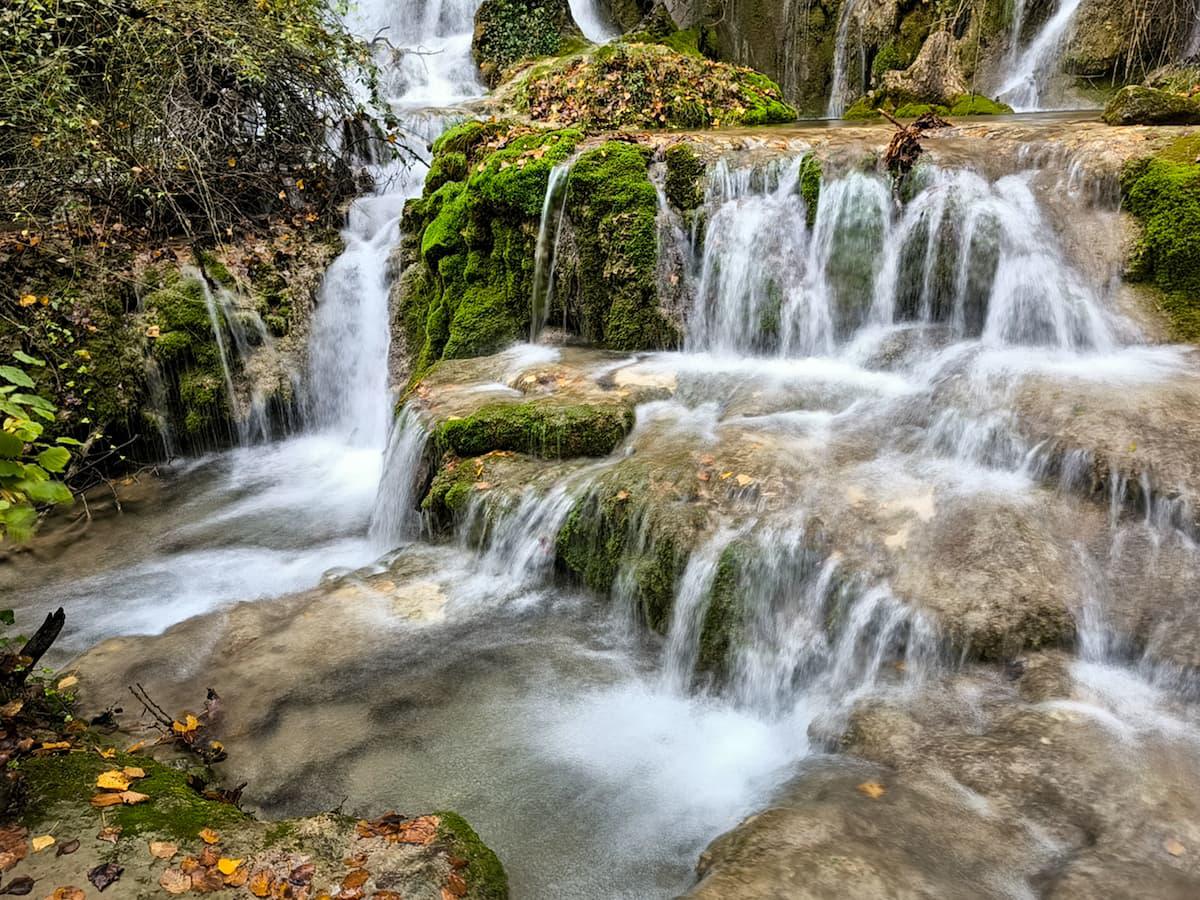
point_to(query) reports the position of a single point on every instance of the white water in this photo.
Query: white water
(1025, 88)
(840, 92)
(592, 21)
(549, 232)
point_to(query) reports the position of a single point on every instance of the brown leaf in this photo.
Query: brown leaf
(104, 875)
(209, 857)
(239, 877)
(209, 836)
(133, 772)
(163, 849)
(19, 886)
(13, 846)
(205, 881)
(174, 882)
(302, 875)
(11, 708)
(357, 861)
(456, 885)
(355, 879)
(386, 895)
(111, 799)
(189, 864)
(131, 798)
(67, 848)
(109, 833)
(1174, 847)
(66, 893)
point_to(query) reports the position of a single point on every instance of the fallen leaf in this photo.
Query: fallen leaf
(56, 745)
(456, 885)
(66, 893)
(174, 882)
(872, 789)
(208, 857)
(109, 833)
(135, 747)
(41, 842)
(744, 480)
(386, 895)
(260, 883)
(238, 878)
(101, 800)
(68, 682)
(209, 836)
(10, 709)
(725, 476)
(163, 849)
(702, 475)
(133, 772)
(205, 881)
(708, 459)
(112, 780)
(355, 880)
(67, 847)
(131, 798)
(107, 752)
(303, 874)
(189, 724)
(1174, 847)
(355, 862)
(227, 866)
(104, 875)
(19, 886)
(622, 495)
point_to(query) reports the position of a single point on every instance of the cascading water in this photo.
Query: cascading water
(549, 231)
(840, 90)
(1025, 88)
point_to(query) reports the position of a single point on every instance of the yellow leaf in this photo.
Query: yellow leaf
(209, 836)
(112, 780)
(744, 480)
(132, 772)
(56, 745)
(232, 161)
(28, 300)
(725, 476)
(153, 331)
(1171, 845)
(83, 354)
(872, 789)
(187, 726)
(110, 799)
(41, 842)
(69, 681)
(135, 747)
(228, 866)
(108, 752)
(299, 184)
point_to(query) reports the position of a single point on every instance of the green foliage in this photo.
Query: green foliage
(886, 59)
(508, 31)
(28, 464)
(1163, 192)
(179, 115)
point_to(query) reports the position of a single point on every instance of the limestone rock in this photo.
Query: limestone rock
(935, 75)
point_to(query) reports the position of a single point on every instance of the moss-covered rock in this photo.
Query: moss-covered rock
(467, 257)
(1163, 192)
(978, 105)
(685, 177)
(1137, 105)
(613, 210)
(57, 793)
(640, 85)
(509, 31)
(541, 428)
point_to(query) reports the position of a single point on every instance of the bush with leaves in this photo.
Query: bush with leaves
(182, 116)
(28, 464)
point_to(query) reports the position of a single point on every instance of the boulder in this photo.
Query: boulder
(1137, 105)
(509, 31)
(934, 77)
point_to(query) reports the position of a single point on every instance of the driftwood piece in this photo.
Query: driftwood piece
(35, 648)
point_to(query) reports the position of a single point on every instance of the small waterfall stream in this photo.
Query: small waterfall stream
(1025, 87)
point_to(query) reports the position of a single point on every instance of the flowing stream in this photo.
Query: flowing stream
(856, 375)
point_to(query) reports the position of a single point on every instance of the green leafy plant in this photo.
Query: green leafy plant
(28, 464)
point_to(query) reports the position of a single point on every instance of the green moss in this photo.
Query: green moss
(614, 209)
(723, 617)
(1137, 105)
(810, 185)
(861, 109)
(685, 41)
(447, 166)
(450, 492)
(174, 808)
(1163, 192)
(685, 177)
(485, 875)
(592, 541)
(539, 428)
(888, 58)
(913, 110)
(215, 269)
(978, 105)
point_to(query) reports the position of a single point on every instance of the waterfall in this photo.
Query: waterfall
(839, 90)
(973, 256)
(394, 518)
(596, 26)
(1025, 87)
(1014, 41)
(549, 231)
